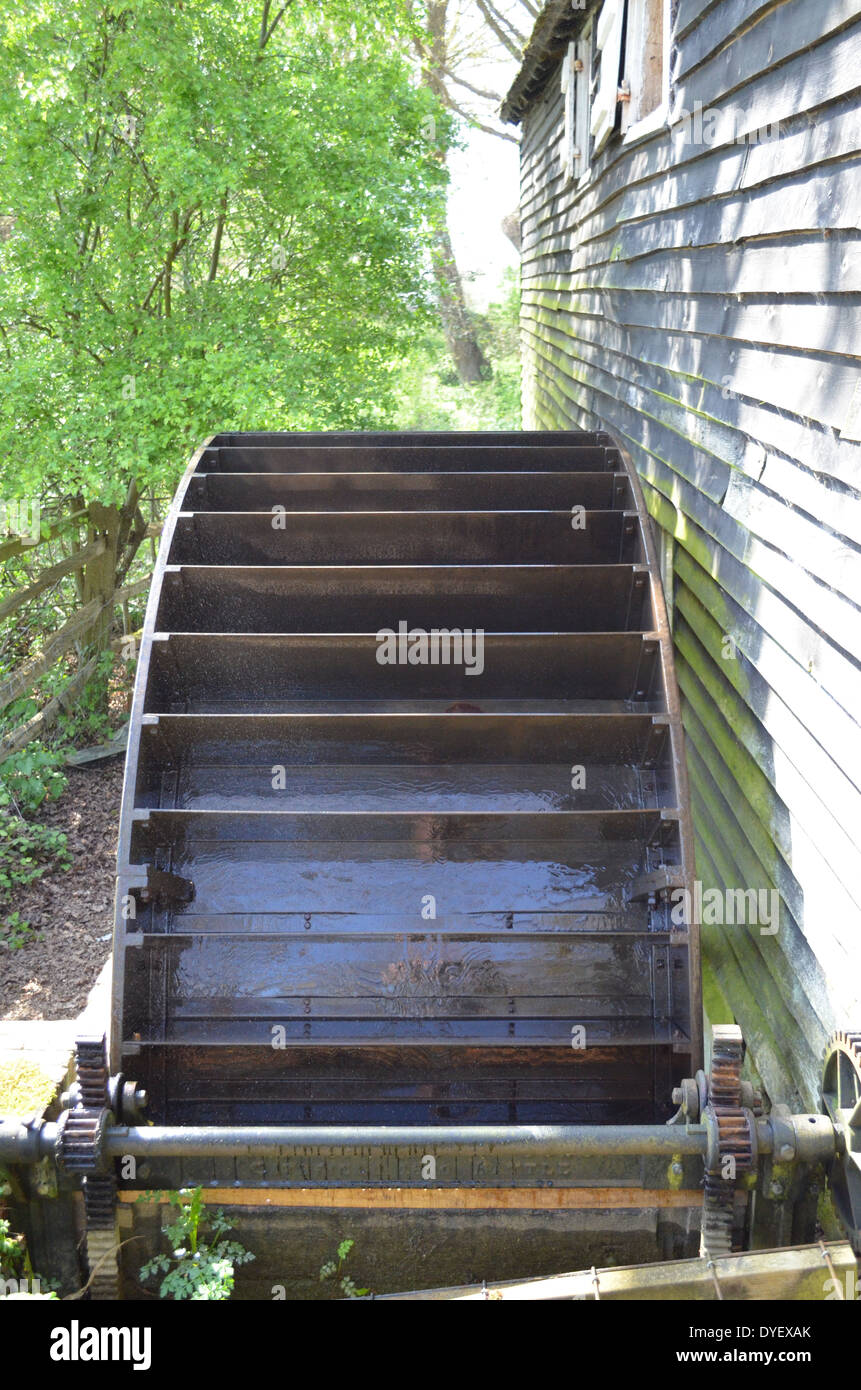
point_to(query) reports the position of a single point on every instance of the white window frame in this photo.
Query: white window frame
(571, 154)
(609, 28)
(576, 82)
(584, 98)
(634, 126)
(580, 139)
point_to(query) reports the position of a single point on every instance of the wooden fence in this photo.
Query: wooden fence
(104, 543)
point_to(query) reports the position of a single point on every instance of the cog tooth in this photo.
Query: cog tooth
(80, 1147)
(734, 1139)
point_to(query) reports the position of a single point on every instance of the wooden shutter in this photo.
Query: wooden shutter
(645, 58)
(584, 94)
(608, 42)
(576, 83)
(569, 91)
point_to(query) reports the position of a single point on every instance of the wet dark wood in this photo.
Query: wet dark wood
(400, 901)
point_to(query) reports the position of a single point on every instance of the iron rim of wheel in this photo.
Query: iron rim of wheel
(841, 1101)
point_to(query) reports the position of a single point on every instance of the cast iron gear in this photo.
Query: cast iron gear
(841, 1101)
(732, 1132)
(80, 1152)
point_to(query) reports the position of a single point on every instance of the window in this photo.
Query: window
(576, 84)
(620, 60)
(646, 77)
(608, 56)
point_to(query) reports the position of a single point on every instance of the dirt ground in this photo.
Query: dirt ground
(72, 911)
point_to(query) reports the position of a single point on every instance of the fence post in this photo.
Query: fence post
(103, 524)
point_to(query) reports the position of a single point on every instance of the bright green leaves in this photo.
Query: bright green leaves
(201, 1263)
(206, 235)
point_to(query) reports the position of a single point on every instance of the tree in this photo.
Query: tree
(217, 219)
(451, 39)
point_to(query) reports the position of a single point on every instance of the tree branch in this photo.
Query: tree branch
(267, 29)
(473, 120)
(476, 91)
(180, 238)
(508, 24)
(216, 246)
(490, 16)
(152, 289)
(40, 327)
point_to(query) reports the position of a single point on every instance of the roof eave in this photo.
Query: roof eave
(554, 27)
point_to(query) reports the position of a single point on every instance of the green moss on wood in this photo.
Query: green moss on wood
(25, 1088)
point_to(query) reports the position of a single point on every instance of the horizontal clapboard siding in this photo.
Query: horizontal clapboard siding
(702, 301)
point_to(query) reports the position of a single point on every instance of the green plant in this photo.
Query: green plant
(31, 777)
(333, 1269)
(27, 780)
(15, 932)
(11, 1252)
(15, 1268)
(430, 396)
(26, 851)
(199, 1266)
(88, 720)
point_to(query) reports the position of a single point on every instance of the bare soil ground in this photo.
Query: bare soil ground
(71, 910)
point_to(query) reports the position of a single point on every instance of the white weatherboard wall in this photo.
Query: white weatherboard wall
(702, 301)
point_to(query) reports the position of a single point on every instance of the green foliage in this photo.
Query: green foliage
(15, 1264)
(28, 779)
(430, 396)
(11, 1252)
(214, 224)
(88, 720)
(26, 851)
(201, 1262)
(31, 777)
(15, 932)
(333, 1269)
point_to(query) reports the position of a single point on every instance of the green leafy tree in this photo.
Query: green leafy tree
(215, 216)
(452, 39)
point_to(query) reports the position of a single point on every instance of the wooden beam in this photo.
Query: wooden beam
(55, 647)
(18, 738)
(72, 562)
(21, 543)
(448, 1198)
(130, 590)
(24, 678)
(118, 643)
(797, 1273)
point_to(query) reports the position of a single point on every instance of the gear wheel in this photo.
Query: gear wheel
(80, 1152)
(731, 1138)
(100, 1198)
(841, 1101)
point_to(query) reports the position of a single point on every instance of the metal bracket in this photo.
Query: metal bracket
(649, 887)
(166, 889)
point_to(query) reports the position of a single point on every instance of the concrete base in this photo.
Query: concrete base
(36, 1055)
(36, 1065)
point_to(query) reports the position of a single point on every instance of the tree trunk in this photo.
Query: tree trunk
(122, 529)
(457, 322)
